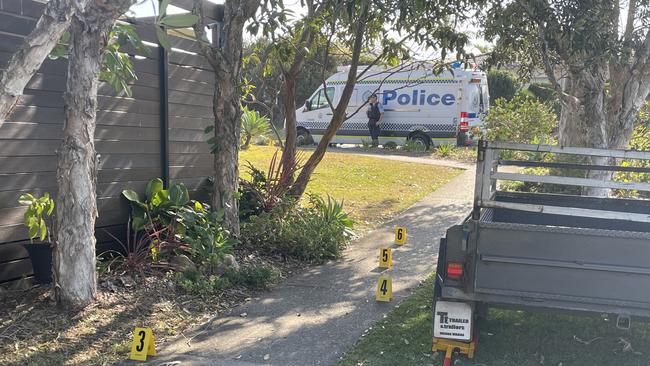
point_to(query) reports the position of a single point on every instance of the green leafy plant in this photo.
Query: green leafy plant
(39, 217)
(253, 125)
(445, 150)
(208, 241)
(160, 206)
(165, 21)
(190, 222)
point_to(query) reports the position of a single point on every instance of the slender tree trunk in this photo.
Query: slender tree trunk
(340, 112)
(225, 59)
(74, 252)
(227, 122)
(36, 47)
(289, 106)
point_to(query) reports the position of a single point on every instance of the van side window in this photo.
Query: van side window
(320, 101)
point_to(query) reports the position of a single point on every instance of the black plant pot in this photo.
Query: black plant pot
(41, 256)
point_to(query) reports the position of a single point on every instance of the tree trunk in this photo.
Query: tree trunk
(340, 112)
(227, 123)
(36, 47)
(289, 105)
(225, 57)
(571, 131)
(76, 210)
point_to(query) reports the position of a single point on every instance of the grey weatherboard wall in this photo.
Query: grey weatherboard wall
(128, 133)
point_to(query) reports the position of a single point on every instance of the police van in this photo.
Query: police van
(426, 108)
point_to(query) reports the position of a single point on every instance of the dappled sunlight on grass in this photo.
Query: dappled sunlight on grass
(372, 189)
(507, 338)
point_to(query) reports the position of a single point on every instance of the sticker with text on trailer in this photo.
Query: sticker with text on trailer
(385, 257)
(400, 235)
(142, 345)
(452, 320)
(384, 289)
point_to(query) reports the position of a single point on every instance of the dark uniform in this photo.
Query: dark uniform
(374, 114)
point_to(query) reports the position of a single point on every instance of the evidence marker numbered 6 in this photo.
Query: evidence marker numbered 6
(400, 235)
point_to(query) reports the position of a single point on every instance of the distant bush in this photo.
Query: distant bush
(313, 233)
(545, 93)
(502, 84)
(522, 119)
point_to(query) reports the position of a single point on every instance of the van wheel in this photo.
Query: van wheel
(421, 139)
(303, 137)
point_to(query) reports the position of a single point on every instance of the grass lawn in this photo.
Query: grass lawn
(373, 189)
(507, 338)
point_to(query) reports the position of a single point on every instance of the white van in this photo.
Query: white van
(426, 108)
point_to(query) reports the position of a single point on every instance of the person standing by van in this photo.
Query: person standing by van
(375, 113)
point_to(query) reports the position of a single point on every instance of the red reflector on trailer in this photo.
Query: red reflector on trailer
(454, 270)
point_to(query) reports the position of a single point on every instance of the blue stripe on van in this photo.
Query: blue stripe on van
(472, 115)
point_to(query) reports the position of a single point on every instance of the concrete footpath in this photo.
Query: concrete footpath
(314, 317)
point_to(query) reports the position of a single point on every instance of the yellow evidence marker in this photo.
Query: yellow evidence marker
(400, 235)
(385, 257)
(142, 345)
(384, 289)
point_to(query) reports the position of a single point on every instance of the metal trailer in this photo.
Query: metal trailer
(552, 251)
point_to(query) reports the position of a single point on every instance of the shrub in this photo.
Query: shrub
(260, 276)
(313, 233)
(257, 276)
(172, 213)
(412, 146)
(523, 120)
(445, 150)
(253, 125)
(264, 191)
(545, 93)
(502, 84)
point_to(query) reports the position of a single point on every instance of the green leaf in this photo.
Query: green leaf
(26, 199)
(154, 186)
(137, 223)
(131, 195)
(179, 20)
(50, 207)
(208, 129)
(42, 230)
(163, 7)
(162, 38)
(179, 195)
(160, 198)
(32, 232)
(198, 206)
